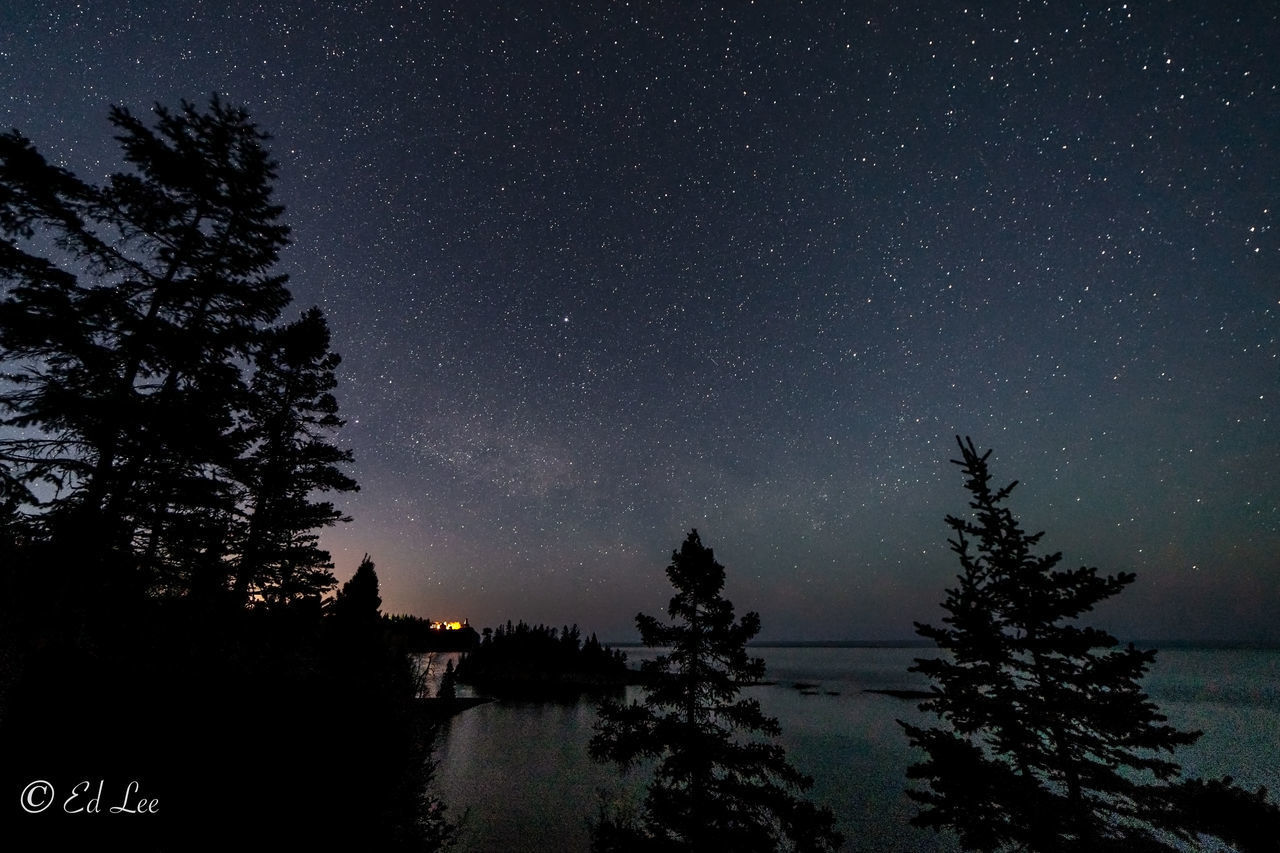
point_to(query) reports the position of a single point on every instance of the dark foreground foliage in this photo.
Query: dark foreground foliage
(719, 783)
(1047, 741)
(255, 730)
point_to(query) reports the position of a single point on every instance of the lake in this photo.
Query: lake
(521, 770)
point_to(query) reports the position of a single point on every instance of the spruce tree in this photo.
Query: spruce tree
(291, 413)
(1047, 741)
(719, 783)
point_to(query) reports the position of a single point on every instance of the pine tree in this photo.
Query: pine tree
(1047, 742)
(131, 309)
(718, 784)
(291, 413)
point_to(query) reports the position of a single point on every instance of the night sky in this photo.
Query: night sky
(604, 272)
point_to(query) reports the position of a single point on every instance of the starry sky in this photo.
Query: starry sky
(602, 272)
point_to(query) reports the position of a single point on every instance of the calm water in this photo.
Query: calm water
(522, 771)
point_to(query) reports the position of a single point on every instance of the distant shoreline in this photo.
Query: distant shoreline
(842, 644)
(809, 644)
(1159, 645)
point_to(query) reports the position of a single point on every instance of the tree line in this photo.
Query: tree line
(416, 634)
(522, 659)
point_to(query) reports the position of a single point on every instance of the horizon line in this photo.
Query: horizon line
(1146, 643)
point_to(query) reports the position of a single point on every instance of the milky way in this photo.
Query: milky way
(603, 272)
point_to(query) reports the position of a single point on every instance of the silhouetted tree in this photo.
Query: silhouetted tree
(381, 760)
(710, 790)
(448, 683)
(41, 320)
(357, 603)
(1047, 742)
(123, 353)
(292, 457)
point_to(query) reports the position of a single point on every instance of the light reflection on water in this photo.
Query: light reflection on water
(522, 768)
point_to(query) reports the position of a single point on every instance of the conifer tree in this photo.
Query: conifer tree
(1047, 741)
(718, 784)
(291, 413)
(448, 682)
(357, 604)
(36, 198)
(122, 352)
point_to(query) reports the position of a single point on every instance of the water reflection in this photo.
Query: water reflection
(523, 769)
